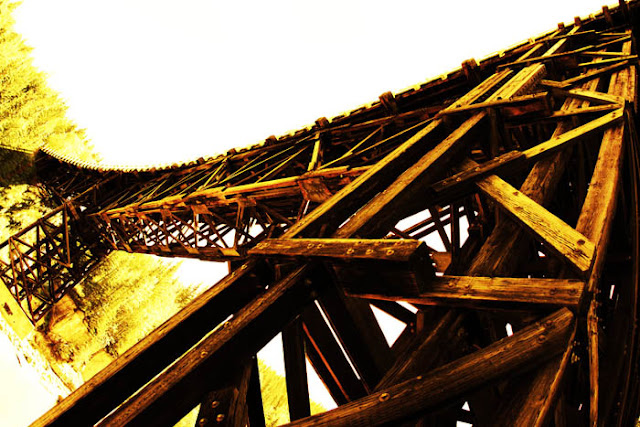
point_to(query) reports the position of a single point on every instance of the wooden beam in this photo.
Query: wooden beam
(491, 292)
(296, 370)
(572, 136)
(465, 180)
(583, 111)
(522, 351)
(167, 397)
(599, 63)
(359, 334)
(426, 354)
(373, 249)
(227, 405)
(335, 210)
(532, 401)
(505, 245)
(539, 102)
(584, 77)
(559, 237)
(254, 397)
(592, 96)
(328, 360)
(596, 216)
(111, 386)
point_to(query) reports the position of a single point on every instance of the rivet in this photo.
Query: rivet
(384, 397)
(390, 251)
(369, 251)
(419, 377)
(350, 251)
(203, 354)
(542, 338)
(202, 421)
(215, 404)
(220, 418)
(309, 245)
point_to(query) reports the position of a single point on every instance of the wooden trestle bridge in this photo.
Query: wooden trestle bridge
(523, 169)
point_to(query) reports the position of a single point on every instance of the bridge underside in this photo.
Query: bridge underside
(501, 203)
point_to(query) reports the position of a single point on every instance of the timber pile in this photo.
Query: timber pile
(500, 202)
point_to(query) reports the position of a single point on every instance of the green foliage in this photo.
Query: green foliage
(31, 114)
(20, 205)
(128, 296)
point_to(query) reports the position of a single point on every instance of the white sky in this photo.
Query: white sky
(160, 81)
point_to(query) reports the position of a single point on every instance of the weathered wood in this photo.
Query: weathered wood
(503, 248)
(593, 97)
(373, 249)
(598, 63)
(576, 112)
(349, 198)
(594, 363)
(383, 210)
(522, 351)
(530, 103)
(425, 356)
(169, 396)
(254, 397)
(564, 240)
(383, 260)
(104, 391)
(221, 195)
(328, 360)
(295, 370)
(359, 334)
(570, 137)
(531, 403)
(465, 179)
(544, 58)
(491, 292)
(227, 404)
(596, 216)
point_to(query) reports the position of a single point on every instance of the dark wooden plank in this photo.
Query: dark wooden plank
(107, 389)
(426, 355)
(532, 102)
(394, 278)
(400, 250)
(359, 333)
(295, 370)
(491, 292)
(563, 239)
(592, 96)
(464, 180)
(254, 397)
(561, 141)
(167, 397)
(597, 214)
(328, 360)
(522, 351)
(530, 401)
(227, 404)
